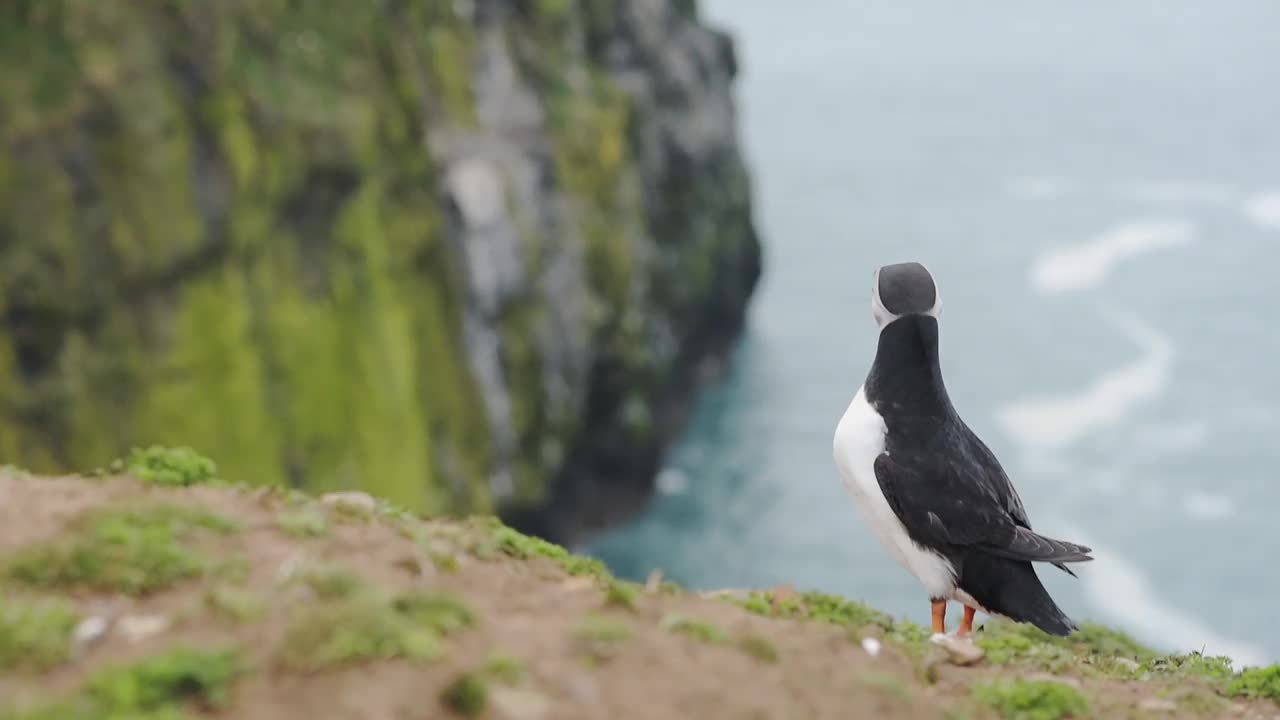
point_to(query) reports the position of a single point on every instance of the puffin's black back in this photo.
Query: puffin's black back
(905, 386)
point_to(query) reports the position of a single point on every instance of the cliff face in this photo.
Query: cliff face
(460, 254)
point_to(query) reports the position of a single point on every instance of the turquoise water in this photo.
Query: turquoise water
(1096, 187)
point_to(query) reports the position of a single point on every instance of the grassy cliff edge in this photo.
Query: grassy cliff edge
(158, 591)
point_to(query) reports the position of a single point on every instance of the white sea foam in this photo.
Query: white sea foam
(1263, 209)
(1056, 421)
(1086, 265)
(1124, 596)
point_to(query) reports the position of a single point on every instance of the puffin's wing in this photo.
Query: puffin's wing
(944, 502)
(1003, 486)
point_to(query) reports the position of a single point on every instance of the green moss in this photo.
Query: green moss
(350, 513)
(328, 582)
(622, 594)
(306, 523)
(1261, 682)
(504, 669)
(833, 610)
(235, 603)
(518, 545)
(35, 634)
(699, 630)
(601, 637)
(1100, 640)
(1190, 665)
(815, 606)
(468, 695)
(444, 562)
(178, 466)
(157, 688)
(176, 676)
(759, 648)
(1031, 700)
(134, 552)
(304, 326)
(444, 614)
(1093, 649)
(366, 626)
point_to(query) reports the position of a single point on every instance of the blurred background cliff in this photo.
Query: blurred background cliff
(486, 255)
(464, 255)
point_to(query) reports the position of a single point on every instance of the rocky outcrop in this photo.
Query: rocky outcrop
(460, 254)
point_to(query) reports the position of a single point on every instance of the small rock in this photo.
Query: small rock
(289, 567)
(960, 651)
(1046, 677)
(1158, 705)
(355, 498)
(136, 628)
(516, 704)
(871, 645)
(653, 583)
(1127, 664)
(89, 631)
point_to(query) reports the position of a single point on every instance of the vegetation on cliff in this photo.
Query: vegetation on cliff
(418, 246)
(137, 598)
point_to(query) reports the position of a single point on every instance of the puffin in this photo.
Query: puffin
(928, 488)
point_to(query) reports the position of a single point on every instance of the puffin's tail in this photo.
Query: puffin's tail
(1012, 588)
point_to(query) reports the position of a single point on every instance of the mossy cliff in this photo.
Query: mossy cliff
(460, 254)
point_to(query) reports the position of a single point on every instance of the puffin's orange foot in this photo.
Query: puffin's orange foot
(940, 617)
(966, 625)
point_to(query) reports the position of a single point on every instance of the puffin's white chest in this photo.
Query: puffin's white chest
(859, 440)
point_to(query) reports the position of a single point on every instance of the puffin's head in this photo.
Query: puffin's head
(904, 289)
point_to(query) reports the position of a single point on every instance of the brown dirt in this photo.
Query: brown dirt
(527, 609)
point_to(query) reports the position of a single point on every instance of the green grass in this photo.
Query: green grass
(173, 466)
(1208, 667)
(236, 603)
(305, 523)
(363, 626)
(834, 610)
(468, 695)
(1092, 650)
(135, 552)
(35, 635)
(1257, 683)
(520, 546)
(1031, 700)
(601, 637)
(328, 582)
(759, 648)
(155, 688)
(601, 629)
(699, 630)
(504, 669)
(621, 594)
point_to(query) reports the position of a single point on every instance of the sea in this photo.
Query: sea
(1095, 186)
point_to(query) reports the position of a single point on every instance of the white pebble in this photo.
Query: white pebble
(871, 645)
(89, 631)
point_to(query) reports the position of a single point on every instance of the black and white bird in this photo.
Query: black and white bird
(928, 487)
